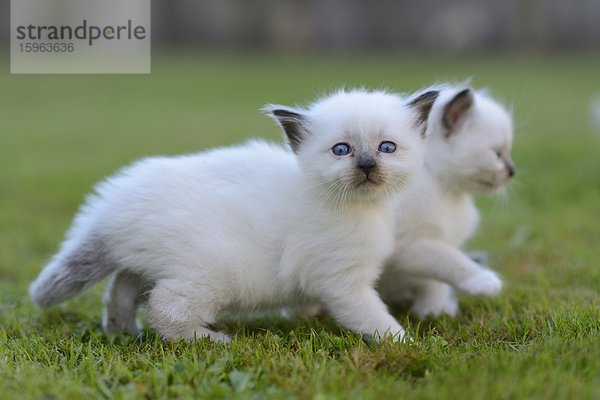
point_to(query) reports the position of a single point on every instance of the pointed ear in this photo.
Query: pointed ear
(456, 108)
(291, 120)
(423, 104)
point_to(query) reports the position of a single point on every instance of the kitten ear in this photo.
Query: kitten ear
(291, 120)
(423, 103)
(456, 108)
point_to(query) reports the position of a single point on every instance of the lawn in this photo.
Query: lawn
(539, 339)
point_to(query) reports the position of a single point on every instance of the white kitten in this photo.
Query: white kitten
(248, 227)
(468, 144)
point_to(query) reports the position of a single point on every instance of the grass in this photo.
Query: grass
(540, 339)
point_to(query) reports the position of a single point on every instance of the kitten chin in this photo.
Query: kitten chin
(489, 186)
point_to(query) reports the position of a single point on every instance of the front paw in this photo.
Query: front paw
(396, 335)
(422, 308)
(484, 283)
(399, 336)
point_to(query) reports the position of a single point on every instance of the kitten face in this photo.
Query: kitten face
(357, 145)
(469, 143)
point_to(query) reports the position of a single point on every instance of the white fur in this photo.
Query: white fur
(249, 227)
(436, 214)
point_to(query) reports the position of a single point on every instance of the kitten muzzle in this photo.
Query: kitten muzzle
(510, 167)
(366, 164)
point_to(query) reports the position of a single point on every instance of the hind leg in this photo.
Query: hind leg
(433, 298)
(425, 296)
(124, 293)
(179, 310)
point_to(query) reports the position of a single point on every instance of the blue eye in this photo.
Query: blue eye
(387, 147)
(341, 149)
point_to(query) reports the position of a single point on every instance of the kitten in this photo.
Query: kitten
(250, 227)
(467, 150)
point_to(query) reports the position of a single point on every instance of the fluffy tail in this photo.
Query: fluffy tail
(76, 267)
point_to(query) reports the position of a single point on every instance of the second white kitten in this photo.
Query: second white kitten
(468, 144)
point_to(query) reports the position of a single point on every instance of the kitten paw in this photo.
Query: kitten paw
(113, 325)
(433, 298)
(422, 308)
(399, 336)
(484, 283)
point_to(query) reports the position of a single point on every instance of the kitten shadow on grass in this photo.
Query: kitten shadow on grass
(85, 329)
